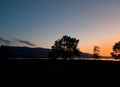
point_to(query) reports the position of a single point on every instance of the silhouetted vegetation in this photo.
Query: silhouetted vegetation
(116, 51)
(47, 73)
(96, 51)
(4, 52)
(66, 47)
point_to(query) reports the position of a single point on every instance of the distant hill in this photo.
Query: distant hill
(86, 55)
(27, 52)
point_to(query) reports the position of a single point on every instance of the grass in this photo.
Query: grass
(62, 73)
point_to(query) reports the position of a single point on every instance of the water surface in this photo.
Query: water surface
(103, 59)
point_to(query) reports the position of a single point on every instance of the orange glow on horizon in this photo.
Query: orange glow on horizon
(104, 51)
(105, 48)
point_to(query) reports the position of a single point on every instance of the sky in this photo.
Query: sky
(38, 23)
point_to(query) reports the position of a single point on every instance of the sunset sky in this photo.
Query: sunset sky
(38, 23)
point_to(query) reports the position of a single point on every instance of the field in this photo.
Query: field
(63, 73)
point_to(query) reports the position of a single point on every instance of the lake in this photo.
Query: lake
(103, 59)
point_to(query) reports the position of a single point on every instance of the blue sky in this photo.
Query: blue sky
(41, 22)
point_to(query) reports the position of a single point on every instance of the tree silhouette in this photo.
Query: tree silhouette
(116, 50)
(4, 52)
(66, 47)
(96, 51)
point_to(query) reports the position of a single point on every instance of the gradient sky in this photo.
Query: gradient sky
(93, 22)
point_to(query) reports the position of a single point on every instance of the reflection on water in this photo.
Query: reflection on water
(103, 59)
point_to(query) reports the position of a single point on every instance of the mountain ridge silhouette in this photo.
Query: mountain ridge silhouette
(38, 52)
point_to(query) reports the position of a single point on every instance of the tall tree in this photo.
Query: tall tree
(116, 50)
(66, 47)
(96, 51)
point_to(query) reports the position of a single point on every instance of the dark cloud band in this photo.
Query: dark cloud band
(25, 42)
(2, 40)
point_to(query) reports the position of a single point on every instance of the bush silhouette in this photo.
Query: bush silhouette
(4, 52)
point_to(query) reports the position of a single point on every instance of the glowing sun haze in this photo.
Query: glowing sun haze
(41, 22)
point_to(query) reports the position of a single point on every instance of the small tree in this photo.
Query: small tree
(5, 52)
(116, 50)
(96, 51)
(66, 47)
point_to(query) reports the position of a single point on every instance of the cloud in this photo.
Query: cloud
(25, 42)
(4, 41)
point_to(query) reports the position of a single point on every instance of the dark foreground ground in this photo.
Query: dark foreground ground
(61, 73)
